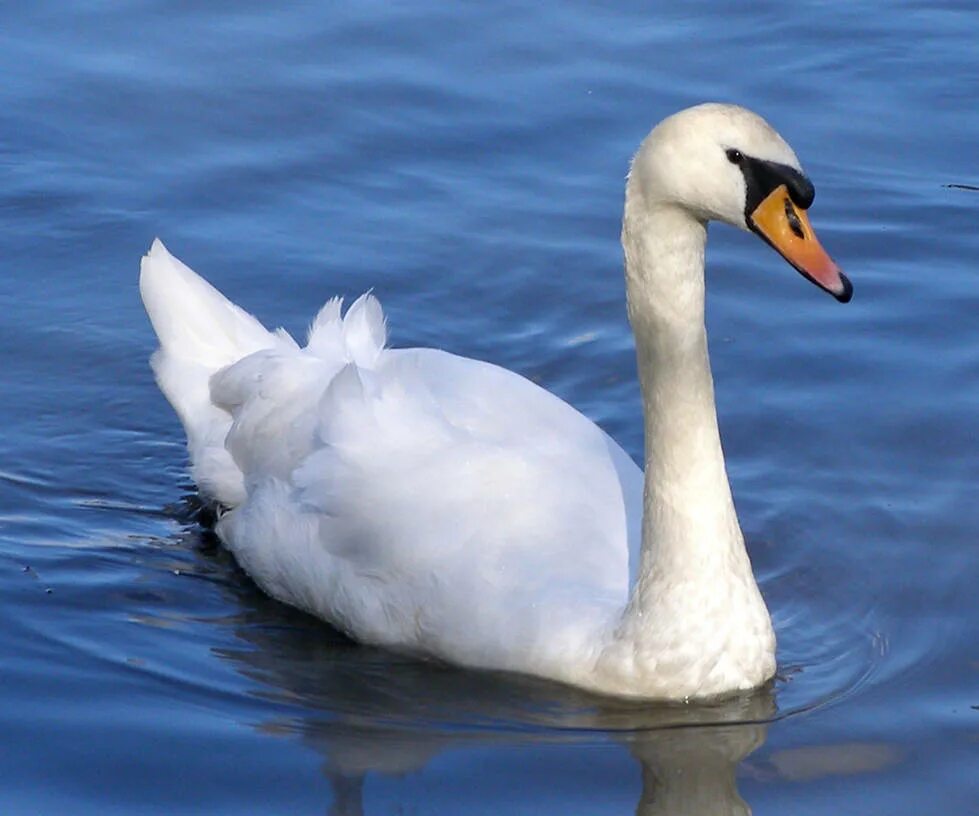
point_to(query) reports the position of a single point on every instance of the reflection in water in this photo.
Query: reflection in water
(692, 770)
(367, 712)
(835, 759)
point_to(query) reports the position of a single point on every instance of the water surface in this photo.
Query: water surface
(467, 162)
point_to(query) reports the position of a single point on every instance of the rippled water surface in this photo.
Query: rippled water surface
(467, 162)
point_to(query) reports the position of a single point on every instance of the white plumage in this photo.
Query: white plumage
(413, 498)
(450, 508)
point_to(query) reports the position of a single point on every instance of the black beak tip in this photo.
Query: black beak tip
(847, 293)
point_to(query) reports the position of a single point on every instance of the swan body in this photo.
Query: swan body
(450, 508)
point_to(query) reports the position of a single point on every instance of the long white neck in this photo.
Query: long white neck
(695, 597)
(689, 521)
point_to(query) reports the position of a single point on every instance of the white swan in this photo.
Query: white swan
(449, 508)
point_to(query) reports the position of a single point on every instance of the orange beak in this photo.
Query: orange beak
(788, 230)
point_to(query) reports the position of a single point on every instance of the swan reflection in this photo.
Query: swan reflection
(371, 713)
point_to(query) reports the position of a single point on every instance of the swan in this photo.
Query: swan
(453, 510)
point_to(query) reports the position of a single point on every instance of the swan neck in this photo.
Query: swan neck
(695, 622)
(689, 520)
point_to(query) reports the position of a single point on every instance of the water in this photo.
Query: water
(466, 161)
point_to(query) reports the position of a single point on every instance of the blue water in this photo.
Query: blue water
(467, 162)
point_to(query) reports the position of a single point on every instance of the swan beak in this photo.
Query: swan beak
(786, 227)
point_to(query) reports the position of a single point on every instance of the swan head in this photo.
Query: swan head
(724, 163)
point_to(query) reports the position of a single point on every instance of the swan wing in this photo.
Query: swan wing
(432, 503)
(413, 498)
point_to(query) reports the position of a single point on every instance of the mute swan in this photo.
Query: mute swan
(449, 508)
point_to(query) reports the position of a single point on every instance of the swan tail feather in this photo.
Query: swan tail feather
(358, 337)
(200, 332)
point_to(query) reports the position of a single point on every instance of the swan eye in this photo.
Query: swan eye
(734, 156)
